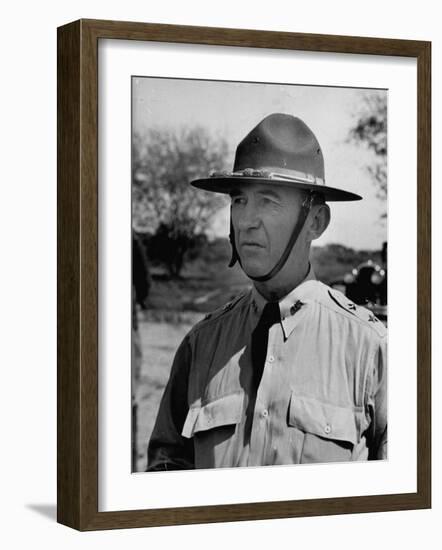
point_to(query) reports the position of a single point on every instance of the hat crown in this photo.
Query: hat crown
(282, 142)
(280, 150)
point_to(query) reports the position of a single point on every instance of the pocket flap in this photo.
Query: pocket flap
(322, 419)
(222, 412)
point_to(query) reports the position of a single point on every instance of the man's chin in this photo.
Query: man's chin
(252, 269)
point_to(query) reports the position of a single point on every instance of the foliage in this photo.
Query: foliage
(164, 204)
(370, 131)
(171, 247)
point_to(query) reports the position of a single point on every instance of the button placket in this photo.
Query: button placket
(271, 345)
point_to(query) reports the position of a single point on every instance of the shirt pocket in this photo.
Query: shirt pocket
(330, 431)
(214, 427)
(223, 411)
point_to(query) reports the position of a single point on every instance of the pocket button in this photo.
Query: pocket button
(327, 429)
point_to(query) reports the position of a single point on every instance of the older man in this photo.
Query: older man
(291, 371)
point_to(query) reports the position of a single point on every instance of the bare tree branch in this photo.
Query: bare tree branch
(370, 131)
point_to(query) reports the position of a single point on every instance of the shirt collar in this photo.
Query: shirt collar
(290, 304)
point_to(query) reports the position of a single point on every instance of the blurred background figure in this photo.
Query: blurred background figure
(141, 283)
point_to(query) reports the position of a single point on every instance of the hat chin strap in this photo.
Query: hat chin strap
(305, 209)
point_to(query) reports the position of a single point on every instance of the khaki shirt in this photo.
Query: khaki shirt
(322, 396)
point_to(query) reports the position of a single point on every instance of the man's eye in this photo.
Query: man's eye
(267, 200)
(238, 200)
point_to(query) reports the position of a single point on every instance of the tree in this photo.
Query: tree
(371, 131)
(164, 204)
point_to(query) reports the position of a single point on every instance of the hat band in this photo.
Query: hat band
(292, 175)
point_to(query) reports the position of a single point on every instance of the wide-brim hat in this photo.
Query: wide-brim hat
(280, 150)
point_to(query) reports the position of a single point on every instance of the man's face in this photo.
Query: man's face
(263, 218)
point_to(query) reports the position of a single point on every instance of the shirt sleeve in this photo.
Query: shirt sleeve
(377, 403)
(167, 449)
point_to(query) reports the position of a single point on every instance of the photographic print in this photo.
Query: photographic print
(259, 274)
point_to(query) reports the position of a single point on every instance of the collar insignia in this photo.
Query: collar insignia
(296, 307)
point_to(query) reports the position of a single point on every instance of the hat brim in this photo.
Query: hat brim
(226, 184)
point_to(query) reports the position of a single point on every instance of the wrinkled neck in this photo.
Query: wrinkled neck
(284, 282)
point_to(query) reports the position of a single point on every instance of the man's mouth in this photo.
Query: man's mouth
(251, 244)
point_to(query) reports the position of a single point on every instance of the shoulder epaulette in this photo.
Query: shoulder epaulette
(219, 312)
(358, 312)
(224, 309)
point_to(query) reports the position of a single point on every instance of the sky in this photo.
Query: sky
(232, 109)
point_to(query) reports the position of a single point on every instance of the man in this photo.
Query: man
(290, 372)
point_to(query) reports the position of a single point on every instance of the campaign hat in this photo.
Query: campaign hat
(280, 150)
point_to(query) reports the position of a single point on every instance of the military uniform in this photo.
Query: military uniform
(322, 396)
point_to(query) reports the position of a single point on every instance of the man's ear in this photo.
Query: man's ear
(319, 219)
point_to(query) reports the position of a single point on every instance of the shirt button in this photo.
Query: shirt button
(271, 359)
(265, 413)
(327, 429)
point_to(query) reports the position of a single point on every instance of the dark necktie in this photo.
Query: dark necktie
(260, 338)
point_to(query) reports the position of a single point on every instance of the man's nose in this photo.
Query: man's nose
(249, 218)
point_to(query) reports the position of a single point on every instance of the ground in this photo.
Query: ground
(159, 342)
